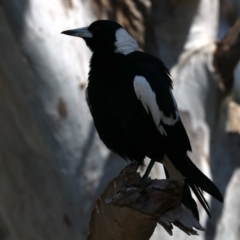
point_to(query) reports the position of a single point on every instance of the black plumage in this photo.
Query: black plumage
(130, 98)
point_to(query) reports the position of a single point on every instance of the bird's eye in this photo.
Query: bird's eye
(97, 28)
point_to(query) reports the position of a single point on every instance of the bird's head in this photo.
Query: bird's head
(105, 35)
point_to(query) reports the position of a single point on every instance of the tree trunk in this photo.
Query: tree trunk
(52, 162)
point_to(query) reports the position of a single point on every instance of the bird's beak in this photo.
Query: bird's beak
(79, 32)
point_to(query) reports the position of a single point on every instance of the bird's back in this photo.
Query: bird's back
(121, 121)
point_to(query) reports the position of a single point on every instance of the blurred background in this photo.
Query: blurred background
(53, 166)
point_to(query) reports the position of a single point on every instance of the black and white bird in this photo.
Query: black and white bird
(129, 95)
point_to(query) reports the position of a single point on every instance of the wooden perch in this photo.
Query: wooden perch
(130, 209)
(227, 55)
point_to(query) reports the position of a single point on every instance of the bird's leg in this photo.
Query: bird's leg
(149, 168)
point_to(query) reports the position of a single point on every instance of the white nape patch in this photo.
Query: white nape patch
(172, 171)
(125, 44)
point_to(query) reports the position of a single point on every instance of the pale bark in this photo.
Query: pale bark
(236, 83)
(229, 225)
(52, 161)
(227, 55)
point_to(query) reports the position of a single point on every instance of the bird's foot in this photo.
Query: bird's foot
(147, 172)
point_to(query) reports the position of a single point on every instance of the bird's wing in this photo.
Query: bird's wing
(152, 85)
(157, 99)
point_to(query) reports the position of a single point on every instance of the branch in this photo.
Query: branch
(227, 55)
(130, 209)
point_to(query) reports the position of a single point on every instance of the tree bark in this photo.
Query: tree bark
(227, 56)
(228, 227)
(52, 162)
(130, 208)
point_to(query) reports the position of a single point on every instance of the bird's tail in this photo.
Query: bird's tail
(176, 167)
(187, 199)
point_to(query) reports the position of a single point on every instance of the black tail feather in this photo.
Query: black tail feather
(203, 182)
(197, 191)
(189, 202)
(197, 181)
(187, 198)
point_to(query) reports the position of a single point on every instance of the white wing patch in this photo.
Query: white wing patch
(125, 44)
(147, 96)
(170, 120)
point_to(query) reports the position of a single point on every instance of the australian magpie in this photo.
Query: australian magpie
(129, 95)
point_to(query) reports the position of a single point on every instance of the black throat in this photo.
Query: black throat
(106, 62)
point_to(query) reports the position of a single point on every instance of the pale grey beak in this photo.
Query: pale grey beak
(79, 32)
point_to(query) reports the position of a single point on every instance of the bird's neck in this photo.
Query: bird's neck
(110, 60)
